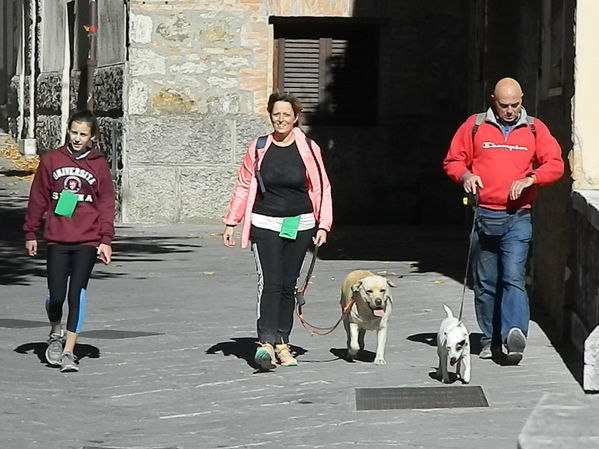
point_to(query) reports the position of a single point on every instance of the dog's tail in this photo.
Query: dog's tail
(448, 311)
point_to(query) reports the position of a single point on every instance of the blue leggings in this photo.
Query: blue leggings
(63, 262)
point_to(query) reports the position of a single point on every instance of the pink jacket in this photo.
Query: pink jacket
(244, 195)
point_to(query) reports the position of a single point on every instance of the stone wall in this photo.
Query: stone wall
(196, 89)
(584, 294)
(48, 112)
(196, 85)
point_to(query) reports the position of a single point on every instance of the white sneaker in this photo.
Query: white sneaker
(515, 343)
(68, 362)
(54, 349)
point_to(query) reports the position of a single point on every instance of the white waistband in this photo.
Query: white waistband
(307, 221)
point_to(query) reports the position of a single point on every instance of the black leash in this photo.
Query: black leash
(299, 295)
(470, 200)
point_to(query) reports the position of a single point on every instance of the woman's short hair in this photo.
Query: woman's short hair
(296, 105)
(84, 116)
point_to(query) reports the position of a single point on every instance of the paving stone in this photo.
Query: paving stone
(165, 357)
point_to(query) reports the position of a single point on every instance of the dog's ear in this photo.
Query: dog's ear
(356, 286)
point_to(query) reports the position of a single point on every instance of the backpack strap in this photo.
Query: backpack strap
(479, 119)
(531, 123)
(259, 145)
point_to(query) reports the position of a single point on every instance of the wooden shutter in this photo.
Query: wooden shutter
(299, 71)
(334, 77)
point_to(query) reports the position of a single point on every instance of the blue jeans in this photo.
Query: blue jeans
(499, 269)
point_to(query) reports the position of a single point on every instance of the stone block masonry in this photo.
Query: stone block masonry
(195, 96)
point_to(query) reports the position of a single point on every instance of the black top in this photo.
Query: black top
(284, 176)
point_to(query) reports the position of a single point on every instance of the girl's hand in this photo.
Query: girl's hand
(320, 238)
(105, 253)
(228, 239)
(31, 246)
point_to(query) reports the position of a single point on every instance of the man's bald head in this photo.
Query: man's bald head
(507, 99)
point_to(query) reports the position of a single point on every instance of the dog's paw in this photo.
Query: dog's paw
(380, 361)
(351, 354)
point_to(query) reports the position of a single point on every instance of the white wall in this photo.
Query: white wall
(585, 157)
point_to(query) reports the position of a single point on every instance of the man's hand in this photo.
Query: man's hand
(105, 253)
(519, 185)
(472, 183)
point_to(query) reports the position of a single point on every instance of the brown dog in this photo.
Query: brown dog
(370, 311)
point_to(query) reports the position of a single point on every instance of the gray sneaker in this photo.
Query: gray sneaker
(485, 352)
(68, 362)
(54, 349)
(515, 343)
(490, 351)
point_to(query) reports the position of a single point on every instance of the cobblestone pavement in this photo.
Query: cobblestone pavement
(166, 354)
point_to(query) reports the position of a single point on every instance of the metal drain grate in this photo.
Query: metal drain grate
(420, 397)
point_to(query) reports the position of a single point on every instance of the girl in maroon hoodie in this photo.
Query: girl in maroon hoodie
(73, 190)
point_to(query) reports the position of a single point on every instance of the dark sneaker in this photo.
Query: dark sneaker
(265, 356)
(68, 363)
(515, 343)
(54, 349)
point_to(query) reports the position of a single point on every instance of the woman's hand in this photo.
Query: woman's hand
(228, 239)
(31, 246)
(105, 253)
(320, 238)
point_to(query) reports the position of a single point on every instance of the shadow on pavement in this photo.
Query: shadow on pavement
(440, 249)
(39, 349)
(244, 348)
(363, 355)
(572, 358)
(430, 338)
(17, 268)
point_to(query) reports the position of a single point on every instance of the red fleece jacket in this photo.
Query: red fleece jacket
(500, 161)
(89, 178)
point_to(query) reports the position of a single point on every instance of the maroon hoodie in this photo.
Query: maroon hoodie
(87, 176)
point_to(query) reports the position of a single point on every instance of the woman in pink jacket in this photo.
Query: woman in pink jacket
(283, 197)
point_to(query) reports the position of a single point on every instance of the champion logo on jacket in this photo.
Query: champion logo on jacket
(493, 145)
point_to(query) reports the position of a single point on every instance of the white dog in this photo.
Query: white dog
(453, 347)
(370, 311)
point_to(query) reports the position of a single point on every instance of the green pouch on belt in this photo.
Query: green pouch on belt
(66, 204)
(289, 227)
